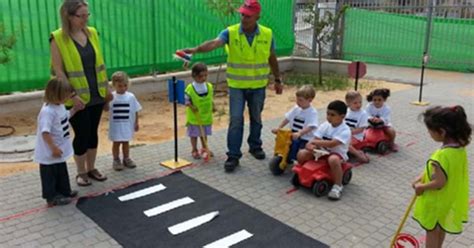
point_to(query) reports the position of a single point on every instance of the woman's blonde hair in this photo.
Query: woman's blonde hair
(120, 76)
(57, 91)
(68, 9)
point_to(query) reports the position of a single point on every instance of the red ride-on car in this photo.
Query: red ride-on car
(316, 175)
(375, 139)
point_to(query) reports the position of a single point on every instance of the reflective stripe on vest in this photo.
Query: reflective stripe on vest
(73, 64)
(247, 65)
(203, 104)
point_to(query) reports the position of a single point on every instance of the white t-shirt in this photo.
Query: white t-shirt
(300, 118)
(200, 88)
(341, 133)
(382, 113)
(53, 119)
(357, 119)
(122, 115)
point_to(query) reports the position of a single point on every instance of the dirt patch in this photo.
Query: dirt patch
(156, 118)
(466, 92)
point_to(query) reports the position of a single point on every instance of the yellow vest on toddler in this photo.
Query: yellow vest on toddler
(202, 103)
(448, 206)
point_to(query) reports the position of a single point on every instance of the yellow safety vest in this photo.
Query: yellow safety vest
(247, 66)
(448, 206)
(73, 64)
(203, 104)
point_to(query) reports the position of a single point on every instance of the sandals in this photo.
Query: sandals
(95, 174)
(196, 154)
(83, 180)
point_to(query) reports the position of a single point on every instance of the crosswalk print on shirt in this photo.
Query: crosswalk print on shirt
(298, 123)
(120, 112)
(65, 126)
(351, 122)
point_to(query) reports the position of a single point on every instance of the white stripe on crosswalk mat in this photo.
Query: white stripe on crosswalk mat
(143, 192)
(168, 206)
(192, 223)
(230, 240)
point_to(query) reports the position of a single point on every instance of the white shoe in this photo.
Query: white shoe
(335, 193)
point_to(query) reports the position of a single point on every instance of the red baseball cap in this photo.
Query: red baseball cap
(250, 8)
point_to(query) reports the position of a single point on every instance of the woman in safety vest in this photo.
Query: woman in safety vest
(77, 58)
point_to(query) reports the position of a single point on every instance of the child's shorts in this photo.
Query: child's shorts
(195, 131)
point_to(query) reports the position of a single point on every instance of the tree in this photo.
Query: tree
(223, 9)
(323, 29)
(7, 41)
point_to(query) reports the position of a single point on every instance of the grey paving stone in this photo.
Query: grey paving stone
(60, 243)
(367, 215)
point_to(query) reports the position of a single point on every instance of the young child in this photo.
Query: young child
(53, 145)
(123, 120)
(303, 120)
(442, 204)
(357, 120)
(379, 113)
(335, 136)
(199, 97)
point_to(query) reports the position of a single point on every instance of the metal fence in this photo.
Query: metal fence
(137, 36)
(398, 32)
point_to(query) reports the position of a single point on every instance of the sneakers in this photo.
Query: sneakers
(73, 193)
(117, 165)
(230, 164)
(129, 163)
(258, 154)
(335, 193)
(58, 201)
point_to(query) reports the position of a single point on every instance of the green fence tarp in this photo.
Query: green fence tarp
(137, 36)
(398, 39)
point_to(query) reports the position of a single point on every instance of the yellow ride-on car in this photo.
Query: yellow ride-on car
(279, 161)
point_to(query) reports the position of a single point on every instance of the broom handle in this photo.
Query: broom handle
(407, 212)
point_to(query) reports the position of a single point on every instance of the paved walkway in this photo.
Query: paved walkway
(367, 215)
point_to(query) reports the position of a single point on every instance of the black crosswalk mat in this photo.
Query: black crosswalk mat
(126, 222)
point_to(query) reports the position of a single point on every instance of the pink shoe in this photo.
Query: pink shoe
(195, 154)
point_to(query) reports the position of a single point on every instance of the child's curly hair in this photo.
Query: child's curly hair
(383, 92)
(120, 77)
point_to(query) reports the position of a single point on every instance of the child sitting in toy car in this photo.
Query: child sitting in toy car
(335, 136)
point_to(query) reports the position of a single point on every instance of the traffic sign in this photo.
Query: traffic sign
(362, 68)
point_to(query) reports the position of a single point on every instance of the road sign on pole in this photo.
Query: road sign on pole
(175, 95)
(357, 70)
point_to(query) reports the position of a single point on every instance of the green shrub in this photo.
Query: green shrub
(7, 41)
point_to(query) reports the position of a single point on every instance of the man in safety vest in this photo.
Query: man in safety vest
(251, 54)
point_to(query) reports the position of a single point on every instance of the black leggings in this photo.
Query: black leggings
(54, 180)
(85, 124)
